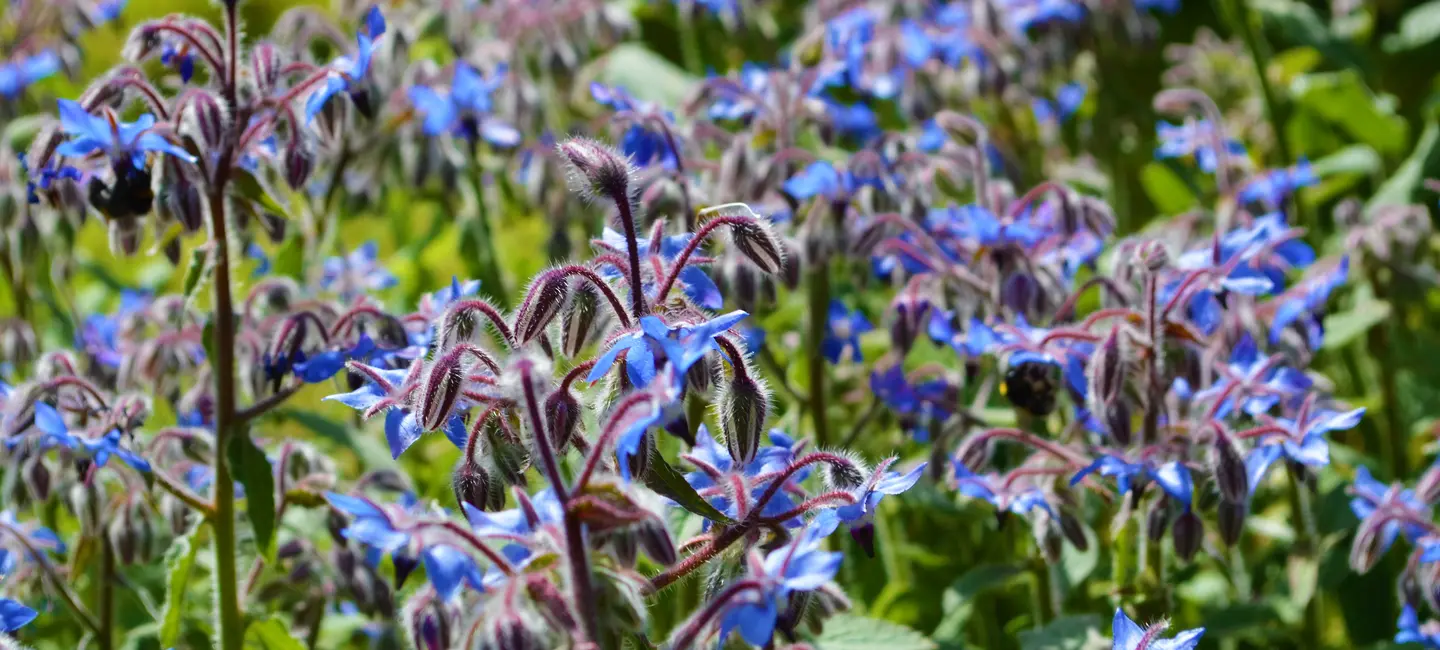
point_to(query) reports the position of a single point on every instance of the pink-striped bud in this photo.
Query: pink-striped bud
(543, 302)
(441, 390)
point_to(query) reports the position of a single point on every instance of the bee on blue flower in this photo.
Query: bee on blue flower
(465, 109)
(125, 146)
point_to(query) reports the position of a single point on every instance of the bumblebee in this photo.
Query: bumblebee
(129, 197)
(1032, 386)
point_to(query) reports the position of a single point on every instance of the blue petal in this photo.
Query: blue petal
(1127, 635)
(401, 430)
(14, 615)
(448, 568)
(1174, 479)
(1258, 461)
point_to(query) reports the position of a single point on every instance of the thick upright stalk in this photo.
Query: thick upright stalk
(632, 245)
(232, 624)
(1307, 547)
(817, 288)
(106, 611)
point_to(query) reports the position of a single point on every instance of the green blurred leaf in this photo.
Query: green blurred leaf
(270, 634)
(1165, 189)
(1354, 159)
(290, 259)
(1344, 327)
(250, 466)
(1404, 185)
(179, 560)
(1298, 24)
(1065, 633)
(850, 632)
(647, 75)
(257, 190)
(958, 603)
(664, 479)
(1343, 99)
(1419, 27)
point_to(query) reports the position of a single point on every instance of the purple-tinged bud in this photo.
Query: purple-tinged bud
(744, 407)
(84, 500)
(562, 418)
(655, 539)
(864, 535)
(265, 62)
(846, 472)
(1073, 531)
(1230, 519)
(1152, 256)
(123, 536)
(37, 477)
(1158, 520)
(756, 240)
(624, 547)
(508, 628)
(1107, 373)
(441, 391)
(580, 321)
(290, 550)
(1187, 534)
(794, 269)
(1230, 474)
(298, 164)
(1120, 422)
(911, 314)
(209, 119)
(543, 301)
(700, 378)
(552, 603)
(596, 169)
(429, 627)
(473, 485)
(1369, 545)
(975, 456)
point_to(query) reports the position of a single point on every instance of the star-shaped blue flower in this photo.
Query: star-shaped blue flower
(18, 74)
(465, 110)
(121, 142)
(1303, 442)
(1129, 636)
(1173, 477)
(682, 346)
(346, 73)
(843, 328)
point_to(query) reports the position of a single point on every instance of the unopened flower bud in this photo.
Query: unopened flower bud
(472, 484)
(1428, 487)
(1157, 520)
(84, 500)
(756, 240)
(1187, 534)
(794, 268)
(123, 537)
(265, 66)
(552, 603)
(298, 165)
(1368, 547)
(562, 418)
(441, 391)
(210, 119)
(845, 473)
(654, 537)
(543, 301)
(125, 236)
(429, 627)
(580, 320)
(596, 169)
(1230, 474)
(1073, 531)
(37, 477)
(1230, 519)
(744, 407)
(510, 629)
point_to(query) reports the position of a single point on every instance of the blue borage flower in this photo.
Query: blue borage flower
(843, 329)
(349, 73)
(1067, 100)
(179, 56)
(682, 345)
(821, 178)
(644, 141)
(99, 334)
(1272, 187)
(1258, 383)
(14, 615)
(1194, 138)
(1301, 440)
(1411, 630)
(800, 566)
(389, 391)
(921, 406)
(357, 273)
(465, 109)
(1023, 15)
(1305, 303)
(1369, 497)
(694, 281)
(122, 142)
(55, 433)
(1173, 477)
(1129, 636)
(713, 464)
(859, 516)
(19, 73)
(1005, 495)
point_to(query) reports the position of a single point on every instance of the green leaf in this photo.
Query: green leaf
(250, 466)
(196, 270)
(1419, 27)
(1344, 327)
(270, 634)
(257, 190)
(1298, 24)
(329, 429)
(289, 260)
(958, 603)
(1343, 99)
(1165, 189)
(179, 560)
(1404, 185)
(207, 338)
(1065, 633)
(646, 75)
(1354, 159)
(850, 632)
(664, 479)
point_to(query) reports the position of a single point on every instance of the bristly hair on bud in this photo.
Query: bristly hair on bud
(596, 169)
(578, 324)
(441, 390)
(846, 475)
(544, 299)
(752, 235)
(743, 406)
(1230, 473)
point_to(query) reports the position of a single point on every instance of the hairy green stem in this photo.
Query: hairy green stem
(105, 612)
(486, 265)
(1307, 547)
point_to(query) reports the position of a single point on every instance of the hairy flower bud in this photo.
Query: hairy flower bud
(744, 406)
(37, 477)
(654, 537)
(1187, 534)
(472, 484)
(84, 500)
(298, 164)
(265, 66)
(562, 418)
(1073, 530)
(1157, 520)
(1368, 547)
(1230, 474)
(543, 301)
(429, 626)
(510, 628)
(756, 240)
(441, 391)
(1230, 519)
(844, 473)
(580, 320)
(596, 169)
(123, 536)
(1428, 487)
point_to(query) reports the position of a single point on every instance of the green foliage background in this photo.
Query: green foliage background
(1357, 97)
